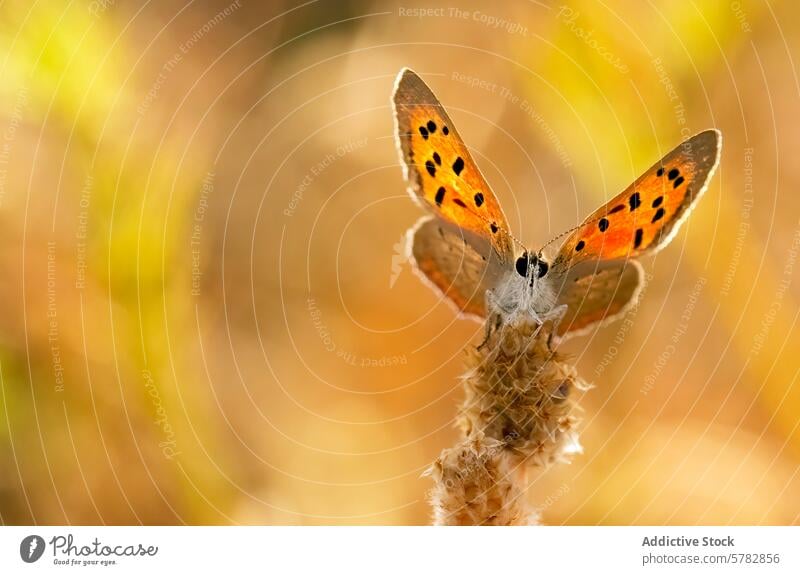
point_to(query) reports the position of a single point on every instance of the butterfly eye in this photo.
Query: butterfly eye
(522, 265)
(542, 268)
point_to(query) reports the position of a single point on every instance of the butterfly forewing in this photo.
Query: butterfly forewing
(440, 170)
(647, 214)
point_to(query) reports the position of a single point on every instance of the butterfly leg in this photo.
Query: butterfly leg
(493, 323)
(555, 315)
(494, 319)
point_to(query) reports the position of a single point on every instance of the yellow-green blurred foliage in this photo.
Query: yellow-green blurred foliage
(207, 316)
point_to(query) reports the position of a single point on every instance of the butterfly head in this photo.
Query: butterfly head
(532, 267)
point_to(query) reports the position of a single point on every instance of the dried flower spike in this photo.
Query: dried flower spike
(517, 413)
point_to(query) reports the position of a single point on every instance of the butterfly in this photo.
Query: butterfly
(465, 250)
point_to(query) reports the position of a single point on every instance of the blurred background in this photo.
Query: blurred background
(208, 317)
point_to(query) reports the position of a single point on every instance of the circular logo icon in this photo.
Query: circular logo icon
(31, 548)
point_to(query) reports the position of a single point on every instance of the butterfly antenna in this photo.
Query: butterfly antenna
(556, 238)
(569, 231)
(516, 241)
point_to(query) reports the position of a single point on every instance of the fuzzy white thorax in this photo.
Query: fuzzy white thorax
(518, 297)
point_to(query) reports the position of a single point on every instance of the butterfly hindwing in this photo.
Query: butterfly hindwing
(460, 264)
(648, 213)
(439, 169)
(596, 292)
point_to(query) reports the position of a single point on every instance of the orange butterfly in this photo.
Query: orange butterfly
(467, 252)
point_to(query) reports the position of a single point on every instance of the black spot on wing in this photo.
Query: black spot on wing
(431, 168)
(660, 171)
(673, 173)
(431, 126)
(479, 199)
(678, 181)
(616, 209)
(637, 241)
(494, 227)
(424, 131)
(458, 202)
(437, 158)
(458, 166)
(445, 130)
(658, 215)
(602, 225)
(658, 201)
(580, 245)
(635, 200)
(440, 196)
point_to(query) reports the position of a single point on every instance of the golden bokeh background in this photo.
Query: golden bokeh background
(208, 318)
